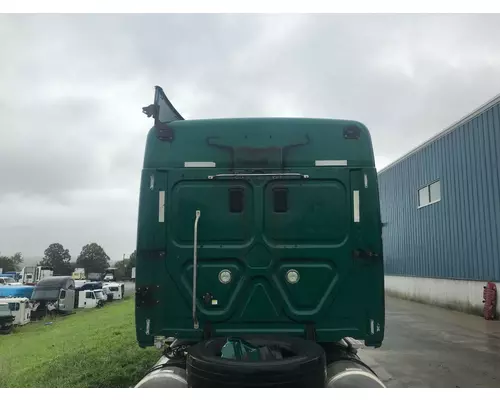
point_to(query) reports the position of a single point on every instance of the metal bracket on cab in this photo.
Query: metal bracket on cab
(144, 296)
(196, 325)
(365, 255)
(277, 175)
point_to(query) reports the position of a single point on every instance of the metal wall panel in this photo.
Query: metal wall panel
(459, 236)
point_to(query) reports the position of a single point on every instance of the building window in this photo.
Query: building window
(423, 196)
(435, 191)
(429, 194)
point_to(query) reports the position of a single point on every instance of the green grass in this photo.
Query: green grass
(92, 348)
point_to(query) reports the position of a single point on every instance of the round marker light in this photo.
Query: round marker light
(225, 276)
(292, 276)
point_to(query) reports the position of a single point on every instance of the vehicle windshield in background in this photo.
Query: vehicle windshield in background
(113, 289)
(45, 294)
(9, 280)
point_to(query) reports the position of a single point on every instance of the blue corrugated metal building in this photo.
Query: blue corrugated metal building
(440, 205)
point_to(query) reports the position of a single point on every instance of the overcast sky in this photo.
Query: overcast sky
(72, 87)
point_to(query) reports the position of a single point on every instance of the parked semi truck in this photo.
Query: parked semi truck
(109, 275)
(33, 275)
(259, 252)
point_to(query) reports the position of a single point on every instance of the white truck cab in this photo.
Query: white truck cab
(99, 294)
(20, 308)
(116, 289)
(28, 275)
(42, 272)
(91, 298)
(109, 275)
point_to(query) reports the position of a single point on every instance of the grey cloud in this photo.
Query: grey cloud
(47, 148)
(72, 87)
(105, 216)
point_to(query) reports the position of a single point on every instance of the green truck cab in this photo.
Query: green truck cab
(258, 226)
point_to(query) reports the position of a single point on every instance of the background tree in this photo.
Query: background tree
(93, 258)
(73, 266)
(121, 269)
(11, 263)
(57, 257)
(6, 263)
(124, 267)
(17, 259)
(131, 262)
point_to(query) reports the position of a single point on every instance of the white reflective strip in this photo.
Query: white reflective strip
(151, 182)
(355, 197)
(372, 326)
(199, 164)
(330, 163)
(161, 206)
(366, 181)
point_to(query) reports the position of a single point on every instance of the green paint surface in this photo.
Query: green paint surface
(303, 223)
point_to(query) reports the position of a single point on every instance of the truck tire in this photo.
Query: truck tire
(303, 365)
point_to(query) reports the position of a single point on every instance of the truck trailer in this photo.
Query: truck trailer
(259, 251)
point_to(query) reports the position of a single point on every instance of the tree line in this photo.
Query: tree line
(92, 257)
(11, 263)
